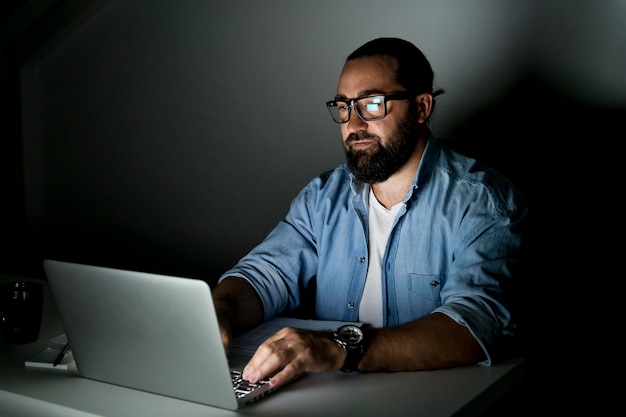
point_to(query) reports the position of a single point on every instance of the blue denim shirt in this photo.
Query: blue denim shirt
(451, 248)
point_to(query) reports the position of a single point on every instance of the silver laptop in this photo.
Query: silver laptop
(150, 332)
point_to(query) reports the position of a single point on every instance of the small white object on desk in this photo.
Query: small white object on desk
(46, 359)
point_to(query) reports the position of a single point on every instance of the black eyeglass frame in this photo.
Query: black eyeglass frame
(404, 95)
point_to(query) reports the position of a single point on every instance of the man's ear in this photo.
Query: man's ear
(424, 106)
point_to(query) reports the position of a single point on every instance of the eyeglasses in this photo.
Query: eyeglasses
(368, 108)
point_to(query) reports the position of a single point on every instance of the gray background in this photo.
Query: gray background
(171, 136)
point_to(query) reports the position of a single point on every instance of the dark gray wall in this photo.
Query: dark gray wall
(172, 135)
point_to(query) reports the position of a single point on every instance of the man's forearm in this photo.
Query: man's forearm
(431, 342)
(237, 302)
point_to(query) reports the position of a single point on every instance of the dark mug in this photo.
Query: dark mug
(21, 307)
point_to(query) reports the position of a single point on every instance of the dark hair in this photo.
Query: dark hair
(414, 70)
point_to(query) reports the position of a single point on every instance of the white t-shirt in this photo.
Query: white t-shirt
(380, 224)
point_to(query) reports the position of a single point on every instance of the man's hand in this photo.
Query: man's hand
(291, 351)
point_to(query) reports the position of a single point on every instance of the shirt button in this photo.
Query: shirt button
(362, 259)
(434, 283)
(350, 305)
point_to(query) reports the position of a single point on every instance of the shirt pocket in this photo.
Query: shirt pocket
(424, 294)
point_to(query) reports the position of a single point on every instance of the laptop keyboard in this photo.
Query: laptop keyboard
(243, 387)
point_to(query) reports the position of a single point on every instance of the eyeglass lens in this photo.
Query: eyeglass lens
(368, 108)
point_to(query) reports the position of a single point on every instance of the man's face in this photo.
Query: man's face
(377, 149)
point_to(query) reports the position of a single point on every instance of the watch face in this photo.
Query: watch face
(351, 334)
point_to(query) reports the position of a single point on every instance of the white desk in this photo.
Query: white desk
(465, 391)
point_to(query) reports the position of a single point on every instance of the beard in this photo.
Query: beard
(379, 162)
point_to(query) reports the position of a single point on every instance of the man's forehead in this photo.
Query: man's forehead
(368, 74)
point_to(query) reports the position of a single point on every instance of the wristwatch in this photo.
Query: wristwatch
(352, 339)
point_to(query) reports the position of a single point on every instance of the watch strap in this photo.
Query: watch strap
(353, 358)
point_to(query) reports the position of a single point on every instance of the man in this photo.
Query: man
(407, 236)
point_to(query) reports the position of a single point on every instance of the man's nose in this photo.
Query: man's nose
(355, 123)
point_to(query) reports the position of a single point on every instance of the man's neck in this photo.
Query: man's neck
(392, 191)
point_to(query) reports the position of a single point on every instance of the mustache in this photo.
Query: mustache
(360, 135)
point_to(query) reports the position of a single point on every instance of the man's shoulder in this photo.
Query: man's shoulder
(468, 168)
(508, 158)
(477, 180)
(338, 176)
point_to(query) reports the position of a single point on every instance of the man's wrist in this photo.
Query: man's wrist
(353, 340)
